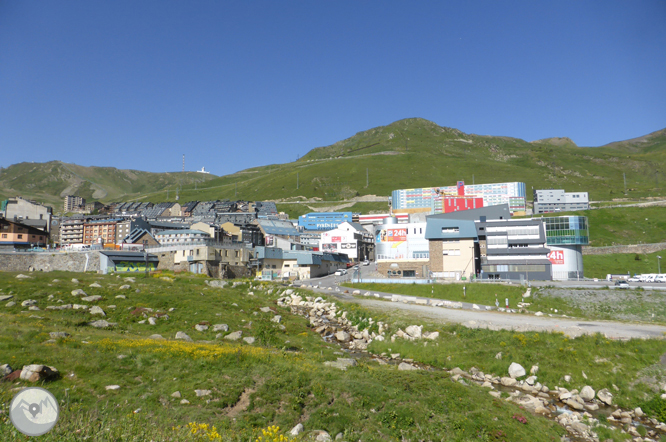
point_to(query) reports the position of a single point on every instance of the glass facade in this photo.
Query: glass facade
(567, 230)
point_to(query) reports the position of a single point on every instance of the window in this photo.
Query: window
(452, 252)
(20, 237)
(4, 235)
(450, 230)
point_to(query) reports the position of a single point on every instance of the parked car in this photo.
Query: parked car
(634, 279)
(338, 272)
(622, 284)
(366, 263)
(660, 278)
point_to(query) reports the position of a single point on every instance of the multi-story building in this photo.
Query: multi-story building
(100, 231)
(169, 237)
(402, 250)
(513, 249)
(565, 237)
(27, 212)
(322, 221)
(432, 199)
(74, 203)
(350, 239)
(14, 235)
(71, 231)
(557, 200)
(452, 247)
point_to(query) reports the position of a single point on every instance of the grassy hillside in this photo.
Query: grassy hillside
(50, 182)
(279, 380)
(405, 154)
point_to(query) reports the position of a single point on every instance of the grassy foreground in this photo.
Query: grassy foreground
(280, 380)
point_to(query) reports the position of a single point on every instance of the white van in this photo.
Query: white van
(660, 278)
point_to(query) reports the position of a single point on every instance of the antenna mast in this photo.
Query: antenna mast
(183, 162)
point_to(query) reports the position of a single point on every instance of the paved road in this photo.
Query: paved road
(493, 320)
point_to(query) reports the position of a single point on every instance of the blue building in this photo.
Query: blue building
(320, 221)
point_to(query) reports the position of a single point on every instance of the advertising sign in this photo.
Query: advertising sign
(392, 235)
(556, 257)
(269, 240)
(348, 245)
(329, 247)
(336, 239)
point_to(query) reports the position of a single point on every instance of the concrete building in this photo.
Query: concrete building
(125, 227)
(96, 231)
(513, 249)
(27, 212)
(74, 203)
(557, 200)
(274, 263)
(402, 250)
(323, 221)
(14, 235)
(126, 262)
(186, 236)
(452, 247)
(432, 199)
(71, 231)
(351, 239)
(565, 237)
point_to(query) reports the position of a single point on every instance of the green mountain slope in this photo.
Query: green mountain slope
(50, 182)
(405, 154)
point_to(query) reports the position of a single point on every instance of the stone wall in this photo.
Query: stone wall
(633, 248)
(48, 262)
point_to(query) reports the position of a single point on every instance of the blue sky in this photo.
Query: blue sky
(234, 85)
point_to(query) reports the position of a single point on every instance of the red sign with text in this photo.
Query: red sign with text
(556, 257)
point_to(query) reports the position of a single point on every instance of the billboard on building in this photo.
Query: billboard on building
(556, 257)
(392, 235)
(329, 247)
(348, 245)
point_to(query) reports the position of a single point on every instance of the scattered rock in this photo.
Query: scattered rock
(202, 393)
(56, 335)
(605, 396)
(112, 387)
(28, 303)
(176, 394)
(265, 309)
(95, 310)
(216, 283)
(152, 321)
(201, 327)
(534, 369)
(431, 336)
(95, 285)
(36, 373)
(322, 436)
(6, 297)
(124, 287)
(5, 369)
(220, 327)
(298, 429)
(121, 297)
(102, 324)
(341, 363)
(34, 308)
(156, 337)
(75, 281)
(406, 366)
(415, 331)
(498, 355)
(80, 307)
(182, 336)
(508, 382)
(587, 393)
(22, 276)
(567, 378)
(184, 401)
(93, 298)
(10, 304)
(79, 292)
(342, 336)
(276, 319)
(235, 336)
(249, 340)
(516, 370)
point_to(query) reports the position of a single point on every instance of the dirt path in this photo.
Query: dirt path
(510, 321)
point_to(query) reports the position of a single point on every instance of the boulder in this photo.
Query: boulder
(220, 327)
(75, 281)
(605, 396)
(342, 336)
(152, 321)
(201, 393)
(36, 373)
(5, 369)
(508, 382)
(415, 331)
(183, 336)
(498, 355)
(6, 297)
(216, 283)
(176, 394)
(102, 324)
(124, 287)
(341, 363)
(79, 292)
(265, 309)
(95, 310)
(184, 401)
(587, 393)
(56, 335)
(95, 285)
(298, 429)
(431, 336)
(156, 337)
(406, 366)
(28, 303)
(10, 304)
(276, 319)
(93, 298)
(201, 327)
(235, 336)
(321, 436)
(112, 387)
(574, 404)
(80, 307)
(531, 380)
(249, 340)
(516, 370)
(121, 297)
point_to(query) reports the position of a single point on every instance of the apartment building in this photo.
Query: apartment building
(100, 231)
(557, 200)
(71, 231)
(14, 235)
(74, 203)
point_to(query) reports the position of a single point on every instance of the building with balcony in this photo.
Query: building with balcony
(557, 200)
(71, 231)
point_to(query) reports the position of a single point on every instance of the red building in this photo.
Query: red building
(456, 203)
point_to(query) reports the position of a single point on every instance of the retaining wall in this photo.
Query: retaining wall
(633, 248)
(48, 262)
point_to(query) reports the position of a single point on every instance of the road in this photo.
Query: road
(490, 319)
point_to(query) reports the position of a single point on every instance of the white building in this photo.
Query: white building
(349, 238)
(173, 237)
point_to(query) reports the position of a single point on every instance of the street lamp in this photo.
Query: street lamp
(659, 264)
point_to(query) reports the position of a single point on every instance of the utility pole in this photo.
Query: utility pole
(183, 162)
(367, 178)
(624, 175)
(296, 180)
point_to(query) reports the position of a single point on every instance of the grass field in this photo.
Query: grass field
(279, 380)
(598, 266)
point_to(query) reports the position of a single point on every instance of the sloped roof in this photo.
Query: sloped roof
(277, 227)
